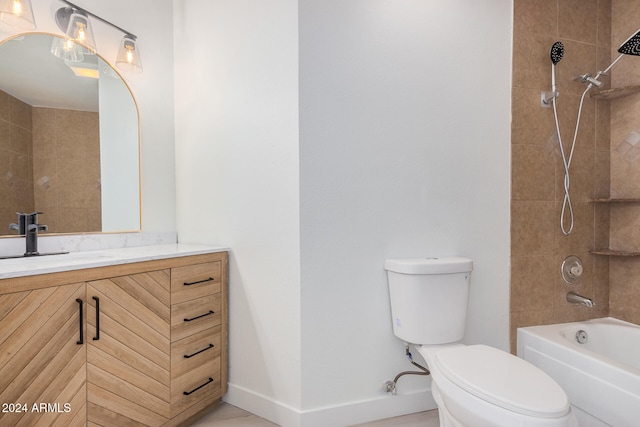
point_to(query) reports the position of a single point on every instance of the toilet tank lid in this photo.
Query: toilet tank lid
(440, 265)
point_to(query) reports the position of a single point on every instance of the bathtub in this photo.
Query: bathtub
(601, 376)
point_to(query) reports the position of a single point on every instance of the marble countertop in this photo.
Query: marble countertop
(18, 267)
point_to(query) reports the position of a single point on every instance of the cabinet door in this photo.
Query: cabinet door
(128, 355)
(42, 362)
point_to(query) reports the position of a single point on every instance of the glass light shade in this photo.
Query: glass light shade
(17, 13)
(80, 31)
(67, 50)
(128, 55)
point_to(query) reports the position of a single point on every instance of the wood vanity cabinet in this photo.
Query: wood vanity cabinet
(134, 344)
(40, 360)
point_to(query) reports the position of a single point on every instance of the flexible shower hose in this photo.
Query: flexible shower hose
(566, 202)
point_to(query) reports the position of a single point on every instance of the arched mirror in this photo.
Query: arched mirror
(69, 140)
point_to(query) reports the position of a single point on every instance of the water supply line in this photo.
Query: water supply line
(390, 386)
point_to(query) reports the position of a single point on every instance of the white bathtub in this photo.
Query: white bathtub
(601, 376)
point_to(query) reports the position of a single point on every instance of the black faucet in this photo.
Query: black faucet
(28, 226)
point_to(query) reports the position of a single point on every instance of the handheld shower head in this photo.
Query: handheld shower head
(557, 52)
(632, 45)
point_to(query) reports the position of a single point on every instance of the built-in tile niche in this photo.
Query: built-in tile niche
(56, 168)
(623, 248)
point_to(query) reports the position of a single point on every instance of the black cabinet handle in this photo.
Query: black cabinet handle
(210, 279)
(198, 317)
(187, 393)
(97, 300)
(188, 356)
(80, 303)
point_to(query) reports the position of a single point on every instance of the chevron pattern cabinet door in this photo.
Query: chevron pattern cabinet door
(128, 355)
(42, 366)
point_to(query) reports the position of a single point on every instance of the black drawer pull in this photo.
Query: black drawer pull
(188, 356)
(81, 340)
(97, 300)
(210, 279)
(187, 393)
(198, 317)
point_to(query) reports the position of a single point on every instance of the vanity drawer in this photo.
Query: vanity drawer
(195, 385)
(194, 281)
(193, 316)
(190, 352)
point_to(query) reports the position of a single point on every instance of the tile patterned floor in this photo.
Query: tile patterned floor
(227, 415)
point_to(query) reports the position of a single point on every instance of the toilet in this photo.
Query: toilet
(474, 385)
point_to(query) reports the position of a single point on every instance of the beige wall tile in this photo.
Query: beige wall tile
(532, 283)
(20, 113)
(538, 16)
(604, 23)
(4, 106)
(531, 61)
(532, 225)
(537, 244)
(533, 172)
(531, 124)
(67, 147)
(577, 20)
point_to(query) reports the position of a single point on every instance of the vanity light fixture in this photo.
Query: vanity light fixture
(128, 55)
(67, 50)
(79, 31)
(75, 23)
(17, 13)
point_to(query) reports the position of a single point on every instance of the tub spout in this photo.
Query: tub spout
(574, 298)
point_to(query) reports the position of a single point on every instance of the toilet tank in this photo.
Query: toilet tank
(429, 298)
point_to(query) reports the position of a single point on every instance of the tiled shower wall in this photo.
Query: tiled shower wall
(538, 246)
(624, 301)
(66, 169)
(16, 173)
(49, 162)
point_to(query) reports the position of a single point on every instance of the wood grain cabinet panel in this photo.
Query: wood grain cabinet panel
(193, 281)
(195, 368)
(190, 317)
(128, 356)
(198, 311)
(41, 362)
(137, 345)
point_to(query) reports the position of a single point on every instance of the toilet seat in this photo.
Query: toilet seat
(502, 379)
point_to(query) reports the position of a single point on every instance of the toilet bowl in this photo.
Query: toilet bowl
(476, 385)
(481, 386)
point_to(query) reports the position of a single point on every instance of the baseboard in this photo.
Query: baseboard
(332, 416)
(263, 406)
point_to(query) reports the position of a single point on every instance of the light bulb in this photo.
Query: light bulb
(17, 7)
(17, 13)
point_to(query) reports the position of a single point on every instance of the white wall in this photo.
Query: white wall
(151, 20)
(237, 177)
(317, 142)
(120, 157)
(404, 152)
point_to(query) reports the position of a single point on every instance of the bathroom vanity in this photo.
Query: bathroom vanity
(133, 336)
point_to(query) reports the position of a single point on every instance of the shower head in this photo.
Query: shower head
(556, 53)
(632, 45)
